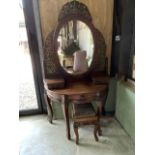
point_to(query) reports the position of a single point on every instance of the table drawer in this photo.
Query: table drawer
(82, 97)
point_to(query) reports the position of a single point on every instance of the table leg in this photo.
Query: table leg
(49, 108)
(66, 116)
(100, 108)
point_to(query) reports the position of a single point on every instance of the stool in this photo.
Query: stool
(84, 114)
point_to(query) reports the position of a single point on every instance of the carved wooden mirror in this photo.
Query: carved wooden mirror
(75, 48)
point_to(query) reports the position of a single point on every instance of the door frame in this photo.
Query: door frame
(28, 9)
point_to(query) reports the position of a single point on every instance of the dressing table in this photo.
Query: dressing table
(74, 32)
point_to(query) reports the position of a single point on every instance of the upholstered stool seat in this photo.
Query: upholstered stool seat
(84, 114)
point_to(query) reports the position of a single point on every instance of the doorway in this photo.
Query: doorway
(27, 93)
(30, 77)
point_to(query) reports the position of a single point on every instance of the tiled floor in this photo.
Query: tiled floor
(39, 137)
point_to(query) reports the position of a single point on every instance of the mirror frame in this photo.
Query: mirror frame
(71, 11)
(92, 29)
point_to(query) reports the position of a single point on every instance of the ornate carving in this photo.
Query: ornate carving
(50, 56)
(74, 8)
(100, 64)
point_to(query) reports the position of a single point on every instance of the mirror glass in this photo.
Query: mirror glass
(75, 47)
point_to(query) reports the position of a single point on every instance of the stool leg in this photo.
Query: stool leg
(95, 131)
(75, 126)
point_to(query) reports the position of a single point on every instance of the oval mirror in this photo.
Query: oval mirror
(75, 47)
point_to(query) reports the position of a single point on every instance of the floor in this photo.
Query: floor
(39, 137)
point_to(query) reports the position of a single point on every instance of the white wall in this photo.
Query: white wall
(85, 39)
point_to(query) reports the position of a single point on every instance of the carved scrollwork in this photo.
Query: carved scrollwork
(74, 8)
(100, 63)
(49, 55)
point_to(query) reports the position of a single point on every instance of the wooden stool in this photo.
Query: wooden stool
(84, 114)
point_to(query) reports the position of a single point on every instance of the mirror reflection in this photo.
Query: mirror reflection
(75, 47)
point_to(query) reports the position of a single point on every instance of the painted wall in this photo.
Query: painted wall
(125, 108)
(101, 11)
(85, 40)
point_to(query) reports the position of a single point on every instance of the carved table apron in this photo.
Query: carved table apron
(77, 92)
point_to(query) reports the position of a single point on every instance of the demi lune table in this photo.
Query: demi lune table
(75, 92)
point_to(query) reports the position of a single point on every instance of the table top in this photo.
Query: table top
(79, 88)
